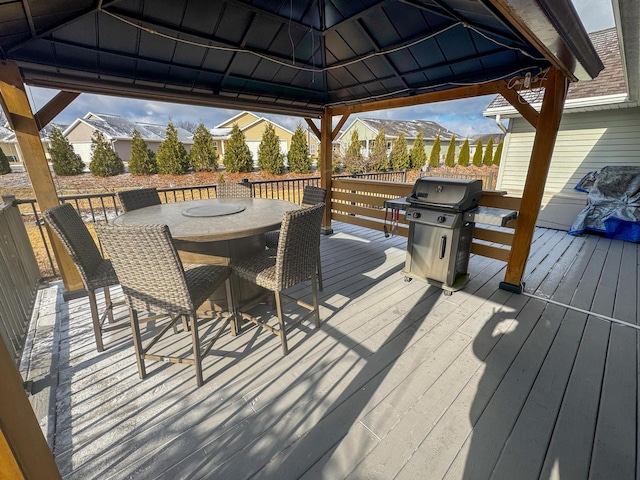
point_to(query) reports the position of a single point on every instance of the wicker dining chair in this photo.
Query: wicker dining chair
(154, 280)
(234, 190)
(293, 262)
(311, 195)
(138, 198)
(95, 271)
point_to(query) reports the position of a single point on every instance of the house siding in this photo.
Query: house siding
(80, 133)
(586, 141)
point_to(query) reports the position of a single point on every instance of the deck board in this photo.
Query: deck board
(399, 382)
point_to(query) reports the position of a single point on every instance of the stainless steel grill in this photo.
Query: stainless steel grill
(441, 222)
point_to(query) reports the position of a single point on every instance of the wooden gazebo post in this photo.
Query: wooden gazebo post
(18, 112)
(326, 168)
(548, 123)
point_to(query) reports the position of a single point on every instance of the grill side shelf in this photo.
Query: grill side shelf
(495, 216)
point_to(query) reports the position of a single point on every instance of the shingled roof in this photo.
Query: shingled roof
(8, 136)
(410, 128)
(120, 128)
(609, 82)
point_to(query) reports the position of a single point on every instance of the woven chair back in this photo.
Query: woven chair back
(298, 246)
(138, 198)
(234, 190)
(313, 195)
(74, 235)
(148, 267)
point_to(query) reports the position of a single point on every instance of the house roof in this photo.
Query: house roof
(410, 128)
(120, 128)
(8, 136)
(608, 86)
(294, 57)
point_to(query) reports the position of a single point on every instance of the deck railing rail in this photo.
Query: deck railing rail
(19, 278)
(98, 207)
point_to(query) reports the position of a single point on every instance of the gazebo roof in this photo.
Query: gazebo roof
(288, 57)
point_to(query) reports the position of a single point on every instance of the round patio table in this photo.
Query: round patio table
(216, 231)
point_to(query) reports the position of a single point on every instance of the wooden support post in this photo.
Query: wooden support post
(544, 141)
(18, 112)
(326, 169)
(24, 453)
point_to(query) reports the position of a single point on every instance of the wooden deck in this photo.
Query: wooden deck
(399, 382)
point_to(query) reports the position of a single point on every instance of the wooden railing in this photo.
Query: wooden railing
(361, 202)
(19, 278)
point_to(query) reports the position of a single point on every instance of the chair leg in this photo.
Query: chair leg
(95, 319)
(235, 323)
(316, 310)
(319, 270)
(283, 331)
(137, 342)
(196, 348)
(108, 303)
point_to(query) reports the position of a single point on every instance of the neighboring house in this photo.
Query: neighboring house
(368, 129)
(253, 127)
(119, 131)
(9, 145)
(599, 127)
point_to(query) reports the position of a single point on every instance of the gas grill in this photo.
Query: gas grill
(441, 214)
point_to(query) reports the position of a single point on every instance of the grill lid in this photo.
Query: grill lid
(448, 193)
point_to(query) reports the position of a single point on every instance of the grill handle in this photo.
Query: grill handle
(443, 246)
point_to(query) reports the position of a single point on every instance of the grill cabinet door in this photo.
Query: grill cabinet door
(429, 252)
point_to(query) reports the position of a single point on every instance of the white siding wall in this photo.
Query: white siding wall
(586, 141)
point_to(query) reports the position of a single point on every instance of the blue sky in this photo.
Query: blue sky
(461, 116)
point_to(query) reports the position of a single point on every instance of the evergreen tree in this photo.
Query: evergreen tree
(399, 155)
(418, 155)
(378, 155)
(487, 159)
(203, 154)
(142, 160)
(298, 156)
(270, 159)
(4, 164)
(172, 158)
(353, 159)
(450, 159)
(434, 156)
(498, 154)
(477, 155)
(463, 159)
(237, 157)
(65, 160)
(105, 162)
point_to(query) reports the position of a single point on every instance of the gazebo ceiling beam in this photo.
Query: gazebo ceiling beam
(275, 16)
(200, 37)
(376, 47)
(452, 15)
(459, 61)
(487, 88)
(162, 94)
(165, 63)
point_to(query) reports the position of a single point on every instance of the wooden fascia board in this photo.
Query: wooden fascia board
(431, 97)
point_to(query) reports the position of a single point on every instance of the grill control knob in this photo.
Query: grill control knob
(442, 219)
(416, 215)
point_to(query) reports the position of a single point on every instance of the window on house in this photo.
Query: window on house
(389, 145)
(312, 149)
